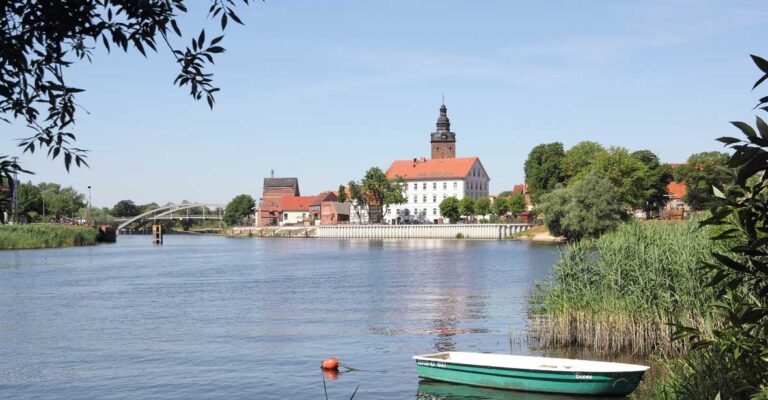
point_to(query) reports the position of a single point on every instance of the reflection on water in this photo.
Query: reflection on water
(213, 318)
(434, 390)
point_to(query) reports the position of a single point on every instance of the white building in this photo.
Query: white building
(429, 182)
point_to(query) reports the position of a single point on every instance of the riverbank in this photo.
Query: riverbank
(539, 234)
(43, 236)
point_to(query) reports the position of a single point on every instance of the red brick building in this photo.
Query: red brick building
(314, 207)
(333, 212)
(270, 212)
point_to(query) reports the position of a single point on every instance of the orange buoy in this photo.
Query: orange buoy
(330, 363)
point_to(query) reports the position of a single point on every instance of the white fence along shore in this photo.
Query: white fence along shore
(446, 231)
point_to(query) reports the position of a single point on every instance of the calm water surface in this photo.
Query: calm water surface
(217, 318)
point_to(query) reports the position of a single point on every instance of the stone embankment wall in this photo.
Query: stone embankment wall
(467, 231)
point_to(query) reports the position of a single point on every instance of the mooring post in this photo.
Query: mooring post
(157, 234)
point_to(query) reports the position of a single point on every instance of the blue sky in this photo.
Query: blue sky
(323, 90)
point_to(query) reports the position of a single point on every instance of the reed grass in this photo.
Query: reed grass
(40, 236)
(621, 292)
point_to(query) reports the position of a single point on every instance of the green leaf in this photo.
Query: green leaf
(760, 62)
(719, 194)
(762, 127)
(744, 128)
(175, 27)
(728, 140)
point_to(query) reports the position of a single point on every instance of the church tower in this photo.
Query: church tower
(443, 140)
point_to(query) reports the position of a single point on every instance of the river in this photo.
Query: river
(217, 318)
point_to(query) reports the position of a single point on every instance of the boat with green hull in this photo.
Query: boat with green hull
(531, 374)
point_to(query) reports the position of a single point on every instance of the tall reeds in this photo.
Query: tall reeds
(39, 236)
(620, 293)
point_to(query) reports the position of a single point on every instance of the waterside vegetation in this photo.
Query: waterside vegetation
(621, 292)
(41, 236)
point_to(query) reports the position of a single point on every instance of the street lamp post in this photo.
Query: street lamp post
(90, 221)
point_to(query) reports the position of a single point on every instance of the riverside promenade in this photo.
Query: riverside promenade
(446, 231)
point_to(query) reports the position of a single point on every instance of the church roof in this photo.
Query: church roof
(443, 168)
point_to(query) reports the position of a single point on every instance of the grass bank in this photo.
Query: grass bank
(41, 236)
(619, 293)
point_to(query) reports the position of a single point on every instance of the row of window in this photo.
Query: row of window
(472, 186)
(416, 211)
(434, 186)
(434, 198)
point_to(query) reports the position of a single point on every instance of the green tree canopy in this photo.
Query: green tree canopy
(126, 208)
(543, 169)
(585, 209)
(627, 174)
(342, 197)
(359, 202)
(61, 201)
(656, 179)
(41, 39)
(381, 192)
(700, 173)
(578, 160)
(239, 210)
(483, 206)
(500, 206)
(516, 203)
(467, 207)
(449, 208)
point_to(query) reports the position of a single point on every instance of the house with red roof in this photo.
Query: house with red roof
(430, 181)
(295, 209)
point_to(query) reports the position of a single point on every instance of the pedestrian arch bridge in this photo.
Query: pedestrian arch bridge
(174, 212)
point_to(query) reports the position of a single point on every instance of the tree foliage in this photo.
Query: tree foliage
(342, 197)
(483, 206)
(626, 173)
(239, 210)
(739, 347)
(500, 207)
(578, 160)
(126, 208)
(543, 169)
(655, 180)
(467, 207)
(449, 208)
(585, 209)
(359, 202)
(377, 193)
(41, 39)
(516, 203)
(700, 173)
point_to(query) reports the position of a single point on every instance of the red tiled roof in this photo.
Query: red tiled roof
(519, 189)
(676, 190)
(324, 196)
(444, 168)
(296, 203)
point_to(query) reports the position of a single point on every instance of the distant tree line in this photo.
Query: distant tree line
(52, 202)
